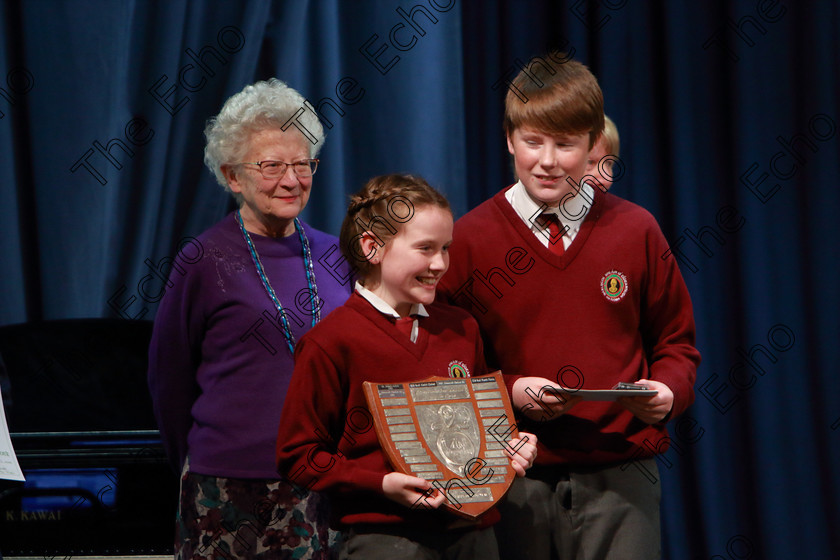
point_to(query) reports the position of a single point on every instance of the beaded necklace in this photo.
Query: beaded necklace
(314, 300)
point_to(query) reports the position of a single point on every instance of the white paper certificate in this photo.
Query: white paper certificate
(9, 467)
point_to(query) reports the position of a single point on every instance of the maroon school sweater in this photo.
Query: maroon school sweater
(614, 307)
(326, 404)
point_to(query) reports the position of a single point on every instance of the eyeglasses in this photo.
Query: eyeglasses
(272, 169)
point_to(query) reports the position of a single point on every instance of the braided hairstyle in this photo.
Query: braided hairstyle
(382, 207)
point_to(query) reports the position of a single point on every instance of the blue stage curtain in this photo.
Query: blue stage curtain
(728, 116)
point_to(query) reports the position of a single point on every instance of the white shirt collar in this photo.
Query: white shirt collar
(380, 305)
(571, 213)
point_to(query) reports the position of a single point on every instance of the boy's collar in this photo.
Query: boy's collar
(574, 210)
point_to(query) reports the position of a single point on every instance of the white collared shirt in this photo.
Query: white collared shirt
(417, 309)
(572, 213)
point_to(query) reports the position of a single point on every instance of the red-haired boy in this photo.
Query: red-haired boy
(569, 288)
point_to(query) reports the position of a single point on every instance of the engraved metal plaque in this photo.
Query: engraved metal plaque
(450, 431)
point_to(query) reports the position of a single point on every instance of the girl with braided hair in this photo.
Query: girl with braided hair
(397, 234)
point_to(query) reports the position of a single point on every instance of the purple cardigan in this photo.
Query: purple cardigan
(219, 366)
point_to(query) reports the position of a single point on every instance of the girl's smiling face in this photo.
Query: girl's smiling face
(413, 261)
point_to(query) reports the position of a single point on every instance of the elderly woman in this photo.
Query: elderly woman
(222, 350)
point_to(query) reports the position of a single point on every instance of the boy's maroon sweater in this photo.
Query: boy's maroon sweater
(568, 319)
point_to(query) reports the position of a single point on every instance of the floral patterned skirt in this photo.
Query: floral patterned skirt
(226, 518)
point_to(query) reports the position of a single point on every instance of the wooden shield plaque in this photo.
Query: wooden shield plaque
(450, 431)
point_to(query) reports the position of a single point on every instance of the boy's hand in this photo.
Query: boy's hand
(541, 399)
(650, 409)
(526, 452)
(411, 491)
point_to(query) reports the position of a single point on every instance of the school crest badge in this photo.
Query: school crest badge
(458, 369)
(614, 285)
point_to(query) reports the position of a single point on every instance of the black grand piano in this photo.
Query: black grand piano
(80, 417)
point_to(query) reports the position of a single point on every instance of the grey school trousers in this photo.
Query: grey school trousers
(370, 544)
(609, 513)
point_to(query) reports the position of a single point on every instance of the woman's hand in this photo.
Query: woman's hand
(526, 452)
(411, 491)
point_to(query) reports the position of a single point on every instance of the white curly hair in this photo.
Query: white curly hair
(264, 105)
